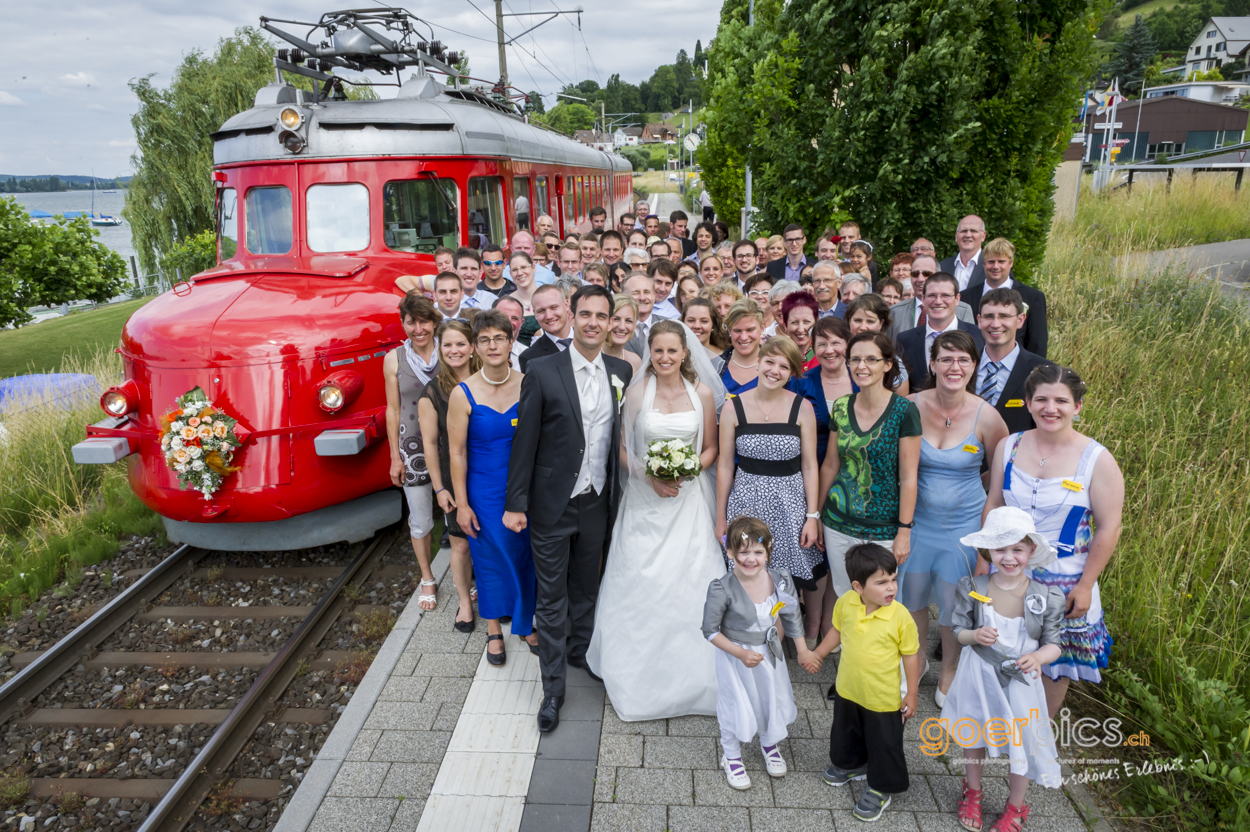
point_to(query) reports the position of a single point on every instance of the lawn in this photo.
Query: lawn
(44, 347)
(1125, 20)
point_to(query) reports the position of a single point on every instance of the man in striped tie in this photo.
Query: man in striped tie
(1004, 363)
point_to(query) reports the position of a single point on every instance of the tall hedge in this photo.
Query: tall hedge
(904, 115)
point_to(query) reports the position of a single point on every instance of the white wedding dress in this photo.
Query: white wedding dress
(648, 645)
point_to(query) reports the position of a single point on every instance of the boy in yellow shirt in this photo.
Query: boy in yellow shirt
(875, 631)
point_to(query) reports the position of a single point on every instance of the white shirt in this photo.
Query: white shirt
(517, 349)
(1004, 372)
(964, 273)
(555, 339)
(930, 333)
(596, 401)
(480, 299)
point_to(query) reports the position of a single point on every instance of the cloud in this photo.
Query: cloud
(78, 79)
(10, 100)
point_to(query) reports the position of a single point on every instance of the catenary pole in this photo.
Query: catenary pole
(503, 54)
(746, 205)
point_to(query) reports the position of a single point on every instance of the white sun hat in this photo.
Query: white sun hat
(1007, 525)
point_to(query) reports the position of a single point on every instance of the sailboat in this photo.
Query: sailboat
(103, 220)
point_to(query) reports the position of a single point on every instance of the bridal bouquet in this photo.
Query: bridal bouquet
(671, 460)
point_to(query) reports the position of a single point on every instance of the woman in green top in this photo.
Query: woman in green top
(870, 483)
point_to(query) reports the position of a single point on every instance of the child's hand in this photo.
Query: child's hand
(910, 703)
(1029, 664)
(809, 661)
(986, 636)
(750, 658)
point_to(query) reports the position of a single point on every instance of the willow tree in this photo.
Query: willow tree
(171, 196)
(906, 115)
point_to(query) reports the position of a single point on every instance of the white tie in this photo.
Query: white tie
(590, 392)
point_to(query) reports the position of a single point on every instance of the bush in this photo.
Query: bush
(197, 254)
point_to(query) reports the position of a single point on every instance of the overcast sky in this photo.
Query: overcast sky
(65, 105)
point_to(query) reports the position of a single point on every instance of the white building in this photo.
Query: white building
(1220, 41)
(1214, 92)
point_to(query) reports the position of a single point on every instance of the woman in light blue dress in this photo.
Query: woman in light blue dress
(957, 430)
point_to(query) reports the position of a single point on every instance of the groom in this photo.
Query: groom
(563, 474)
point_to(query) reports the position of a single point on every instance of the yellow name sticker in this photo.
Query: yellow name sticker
(972, 449)
(1015, 403)
(776, 609)
(1073, 485)
(983, 599)
(514, 423)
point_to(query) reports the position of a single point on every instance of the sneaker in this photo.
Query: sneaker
(735, 773)
(835, 776)
(773, 760)
(871, 805)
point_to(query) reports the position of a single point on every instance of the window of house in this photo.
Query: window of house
(1211, 34)
(485, 211)
(268, 220)
(416, 217)
(1221, 46)
(337, 217)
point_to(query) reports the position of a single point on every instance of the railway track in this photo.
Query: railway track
(142, 713)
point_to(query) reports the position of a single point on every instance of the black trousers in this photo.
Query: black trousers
(709, 214)
(566, 563)
(862, 737)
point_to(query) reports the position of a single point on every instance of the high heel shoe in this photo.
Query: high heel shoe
(496, 659)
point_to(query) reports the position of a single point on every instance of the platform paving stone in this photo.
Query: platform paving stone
(791, 820)
(708, 819)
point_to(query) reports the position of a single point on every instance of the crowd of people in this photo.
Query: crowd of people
(873, 437)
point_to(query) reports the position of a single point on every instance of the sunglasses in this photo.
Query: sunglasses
(492, 262)
(922, 274)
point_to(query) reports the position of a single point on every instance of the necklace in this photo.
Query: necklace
(504, 380)
(769, 414)
(957, 412)
(754, 366)
(667, 398)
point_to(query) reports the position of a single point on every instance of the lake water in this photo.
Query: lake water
(115, 237)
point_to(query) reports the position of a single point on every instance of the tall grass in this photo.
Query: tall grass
(1198, 209)
(54, 514)
(1167, 361)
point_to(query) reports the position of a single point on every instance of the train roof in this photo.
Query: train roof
(427, 118)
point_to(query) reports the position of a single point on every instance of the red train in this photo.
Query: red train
(322, 203)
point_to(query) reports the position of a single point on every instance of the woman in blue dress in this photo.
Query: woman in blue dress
(481, 421)
(745, 324)
(957, 430)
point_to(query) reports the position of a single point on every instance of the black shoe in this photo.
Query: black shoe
(581, 662)
(833, 692)
(444, 541)
(549, 713)
(497, 659)
(464, 626)
(937, 653)
(533, 647)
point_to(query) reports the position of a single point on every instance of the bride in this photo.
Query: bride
(647, 644)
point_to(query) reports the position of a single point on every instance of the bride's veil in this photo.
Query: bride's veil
(641, 392)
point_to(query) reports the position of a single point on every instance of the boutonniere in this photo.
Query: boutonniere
(619, 387)
(1036, 604)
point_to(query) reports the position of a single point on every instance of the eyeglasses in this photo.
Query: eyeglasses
(946, 361)
(746, 255)
(872, 361)
(758, 295)
(922, 274)
(498, 340)
(492, 262)
(947, 296)
(794, 239)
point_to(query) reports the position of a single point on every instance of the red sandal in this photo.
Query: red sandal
(1012, 819)
(970, 809)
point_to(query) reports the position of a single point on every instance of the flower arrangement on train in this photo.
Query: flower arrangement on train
(671, 460)
(199, 441)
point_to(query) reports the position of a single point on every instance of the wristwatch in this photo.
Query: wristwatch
(903, 525)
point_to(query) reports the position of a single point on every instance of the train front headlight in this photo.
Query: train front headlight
(291, 118)
(339, 389)
(122, 399)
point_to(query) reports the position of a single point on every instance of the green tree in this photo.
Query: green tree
(1132, 55)
(915, 116)
(700, 61)
(534, 103)
(51, 264)
(663, 88)
(568, 117)
(197, 254)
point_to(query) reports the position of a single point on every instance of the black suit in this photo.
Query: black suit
(777, 268)
(540, 347)
(1011, 403)
(1033, 335)
(978, 270)
(567, 533)
(911, 345)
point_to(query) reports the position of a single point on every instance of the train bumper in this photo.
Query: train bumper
(101, 450)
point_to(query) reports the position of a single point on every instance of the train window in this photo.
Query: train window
(486, 211)
(416, 217)
(227, 224)
(268, 220)
(337, 217)
(580, 190)
(570, 217)
(544, 205)
(521, 201)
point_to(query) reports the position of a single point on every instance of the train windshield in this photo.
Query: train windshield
(338, 217)
(486, 211)
(419, 218)
(268, 220)
(227, 224)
